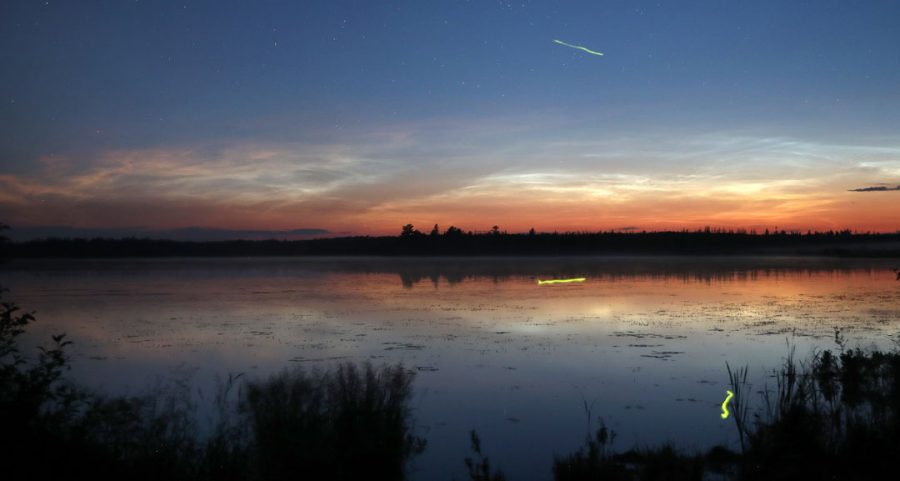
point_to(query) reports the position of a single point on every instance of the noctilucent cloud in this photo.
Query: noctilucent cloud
(360, 117)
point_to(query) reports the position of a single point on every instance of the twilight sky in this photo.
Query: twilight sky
(361, 116)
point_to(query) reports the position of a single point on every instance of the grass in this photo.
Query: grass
(834, 416)
(349, 423)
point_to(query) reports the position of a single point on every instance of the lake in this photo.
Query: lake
(642, 341)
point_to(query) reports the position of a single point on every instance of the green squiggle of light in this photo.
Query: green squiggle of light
(561, 281)
(579, 47)
(725, 404)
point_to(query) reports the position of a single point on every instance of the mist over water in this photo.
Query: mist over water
(643, 341)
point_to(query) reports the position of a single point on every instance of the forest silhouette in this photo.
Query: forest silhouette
(494, 242)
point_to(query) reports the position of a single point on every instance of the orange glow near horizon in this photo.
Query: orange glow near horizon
(349, 190)
(512, 212)
(873, 214)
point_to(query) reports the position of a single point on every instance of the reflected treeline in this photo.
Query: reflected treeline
(454, 270)
(834, 416)
(703, 270)
(494, 243)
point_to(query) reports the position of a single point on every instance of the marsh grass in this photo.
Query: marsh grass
(740, 409)
(350, 422)
(479, 467)
(833, 416)
(596, 460)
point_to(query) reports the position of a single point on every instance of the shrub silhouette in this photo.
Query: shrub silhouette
(834, 416)
(347, 423)
(350, 423)
(479, 467)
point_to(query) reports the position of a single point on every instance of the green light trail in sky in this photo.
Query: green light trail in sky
(579, 47)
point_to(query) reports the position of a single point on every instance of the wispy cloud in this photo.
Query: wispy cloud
(876, 188)
(470, 174)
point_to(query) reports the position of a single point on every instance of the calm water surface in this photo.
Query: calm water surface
(643, 340)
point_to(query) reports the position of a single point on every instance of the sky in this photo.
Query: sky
(357, 117)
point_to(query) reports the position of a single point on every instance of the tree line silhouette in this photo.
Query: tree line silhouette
(454, 241)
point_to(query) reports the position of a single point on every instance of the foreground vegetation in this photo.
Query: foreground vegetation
(834, 416)
(348, 423)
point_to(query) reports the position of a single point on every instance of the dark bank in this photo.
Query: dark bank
(456, 242)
